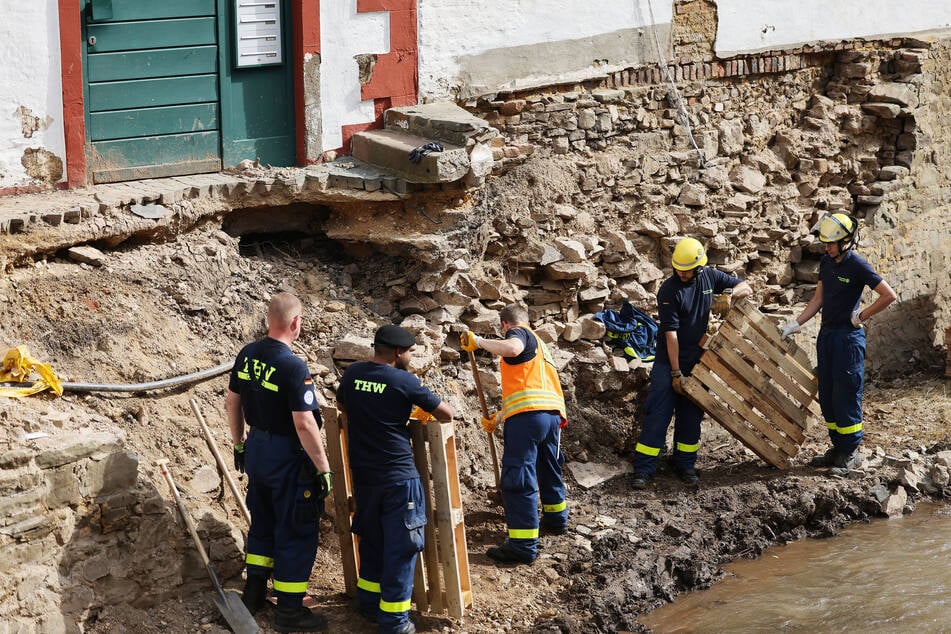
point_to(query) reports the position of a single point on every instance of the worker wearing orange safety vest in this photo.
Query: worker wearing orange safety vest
(533, 410)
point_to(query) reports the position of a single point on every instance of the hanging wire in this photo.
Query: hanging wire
(674, 94)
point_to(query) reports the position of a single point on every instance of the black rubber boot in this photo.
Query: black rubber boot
(254, 596)
(298, 619)
(505, 554)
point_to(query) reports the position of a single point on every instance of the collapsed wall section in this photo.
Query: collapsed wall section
(747, 154)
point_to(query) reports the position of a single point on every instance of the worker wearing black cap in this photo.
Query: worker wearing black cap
(378, 397)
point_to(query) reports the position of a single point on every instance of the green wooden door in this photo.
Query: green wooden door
(164, 95)
(257, 102)
(152, 88)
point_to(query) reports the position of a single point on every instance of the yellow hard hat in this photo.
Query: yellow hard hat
(688, 254)
(836, 227)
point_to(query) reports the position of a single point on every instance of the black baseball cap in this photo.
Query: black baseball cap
(394, 336)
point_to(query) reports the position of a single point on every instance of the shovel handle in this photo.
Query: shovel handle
(222, 466)
(496, 471)
(163, 466)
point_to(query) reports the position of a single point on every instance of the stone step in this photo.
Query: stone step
(442, 121)
(390, 150)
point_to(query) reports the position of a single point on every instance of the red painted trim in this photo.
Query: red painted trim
(16, 190)
(74, 116)
(395, 80)
(306, 24)
(347, 131)
(396, 73)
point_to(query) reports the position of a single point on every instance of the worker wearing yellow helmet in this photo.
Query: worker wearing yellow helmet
(683, 306)
(840, 346)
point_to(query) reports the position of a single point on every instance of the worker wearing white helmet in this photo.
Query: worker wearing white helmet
(683, 306)
(840, 346)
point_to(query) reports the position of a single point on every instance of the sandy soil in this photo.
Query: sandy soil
(160, 310)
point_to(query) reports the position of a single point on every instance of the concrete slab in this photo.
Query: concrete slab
(390, 150)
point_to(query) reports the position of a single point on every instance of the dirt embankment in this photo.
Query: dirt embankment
(158, 310)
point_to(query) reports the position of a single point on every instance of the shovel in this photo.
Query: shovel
(222, 467)
(485, 414)
(229, 603)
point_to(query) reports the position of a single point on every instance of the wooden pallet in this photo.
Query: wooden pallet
(760, 388)
(442, 582)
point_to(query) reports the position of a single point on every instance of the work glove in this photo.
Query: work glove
(857, 319)
(722, 302)
(239, 458)
(490, 423)
(676, 381)
(421, 415)
(325, 484)
(469, 341)
(792, 327)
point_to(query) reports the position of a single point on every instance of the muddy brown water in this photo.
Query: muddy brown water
(887, 576)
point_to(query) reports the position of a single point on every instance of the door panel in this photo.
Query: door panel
(129, 36)
(154, 121)
(257, 103)
(144, 93)
(152, 10)
(164, 62)
(152, 88)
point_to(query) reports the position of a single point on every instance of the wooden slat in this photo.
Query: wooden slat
(103, 174)
(740, 429)
(336, 428)
(120, 124)
(151, 150)
(427, 591)
(777, 354)
(123, 36)
(771, 331)
(758, 381)
(765, 427)
(139, 10)
(148, 93)
(736, 375)
(163, 62)
(747, 349)
(452, 534)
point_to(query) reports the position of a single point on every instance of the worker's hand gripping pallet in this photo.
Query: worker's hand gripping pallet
(759, 387)
(442, 581)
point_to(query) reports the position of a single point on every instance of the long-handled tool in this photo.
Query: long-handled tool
(229, 603)
(222, 466)
(485, 414)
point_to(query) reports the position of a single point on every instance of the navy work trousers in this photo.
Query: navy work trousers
(285, 513)
(389, 520)
(662, 403)
(531, 467)
(841, 374)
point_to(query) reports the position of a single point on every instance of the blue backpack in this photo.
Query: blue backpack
(631, 329)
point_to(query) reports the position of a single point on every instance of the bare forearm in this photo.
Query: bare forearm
(235, 417)
(886, 295)
(502, 347)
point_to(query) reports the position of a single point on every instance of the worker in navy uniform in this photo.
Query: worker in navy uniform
(684, 302)
(840, 346)
(272, 393)
(533, 412)
(378, 397)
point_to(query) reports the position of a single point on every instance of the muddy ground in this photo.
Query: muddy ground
(157, 310)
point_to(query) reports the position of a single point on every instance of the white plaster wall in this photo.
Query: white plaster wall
(30, 76)
(450, 30)
(345, 33)
(747, 26)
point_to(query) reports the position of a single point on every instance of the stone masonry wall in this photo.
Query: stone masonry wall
(79, 530)
(783, 138)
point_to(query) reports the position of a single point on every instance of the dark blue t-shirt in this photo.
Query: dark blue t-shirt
(272, 382)
(526, 337)
(842, 286)
(378, 399)
(685, 308)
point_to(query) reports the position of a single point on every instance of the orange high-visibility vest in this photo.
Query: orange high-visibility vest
(532, 386)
